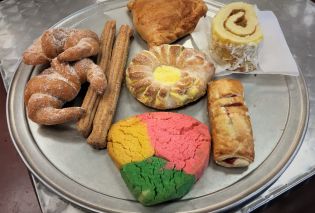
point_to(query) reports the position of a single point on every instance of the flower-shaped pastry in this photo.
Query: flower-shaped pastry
(168, 76)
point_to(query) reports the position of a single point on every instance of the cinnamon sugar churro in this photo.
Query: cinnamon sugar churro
(92, 99)
(107, 106)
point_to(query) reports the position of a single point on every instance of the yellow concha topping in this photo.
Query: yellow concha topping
(236, 23)
(166, 74)
(134, 149)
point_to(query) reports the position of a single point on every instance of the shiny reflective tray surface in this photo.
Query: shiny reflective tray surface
(60, 158)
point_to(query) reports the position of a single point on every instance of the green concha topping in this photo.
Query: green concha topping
(151, 183)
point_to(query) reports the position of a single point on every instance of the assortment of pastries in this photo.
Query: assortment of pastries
(160, 155)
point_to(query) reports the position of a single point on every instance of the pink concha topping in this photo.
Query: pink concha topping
(180, 139)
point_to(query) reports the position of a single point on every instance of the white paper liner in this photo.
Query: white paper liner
(274, 56)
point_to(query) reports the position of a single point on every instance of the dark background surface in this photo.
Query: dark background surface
(17, 193)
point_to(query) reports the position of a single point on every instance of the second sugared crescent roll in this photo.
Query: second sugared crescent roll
(235, 37)
(233, 143)
(168, 76)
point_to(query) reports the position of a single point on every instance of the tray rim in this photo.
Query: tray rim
(43, 179)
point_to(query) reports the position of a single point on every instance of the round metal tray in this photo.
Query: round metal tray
(60, 157)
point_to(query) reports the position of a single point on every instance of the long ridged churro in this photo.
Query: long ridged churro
(91, 99)
(107, 106)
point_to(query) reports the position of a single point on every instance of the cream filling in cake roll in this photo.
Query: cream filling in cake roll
(233, 144)
(235, 37)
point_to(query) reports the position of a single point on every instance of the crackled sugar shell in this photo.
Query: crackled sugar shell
(168, 76)
(160, 155)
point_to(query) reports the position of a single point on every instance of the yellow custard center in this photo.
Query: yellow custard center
(166, 74)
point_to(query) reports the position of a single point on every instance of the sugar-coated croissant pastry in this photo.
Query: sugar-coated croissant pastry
(64, 43)
(46, 93)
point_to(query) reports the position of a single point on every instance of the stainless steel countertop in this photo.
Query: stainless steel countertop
(22, 21)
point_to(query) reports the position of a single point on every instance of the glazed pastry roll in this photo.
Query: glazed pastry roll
(233, 144)
(235, 37)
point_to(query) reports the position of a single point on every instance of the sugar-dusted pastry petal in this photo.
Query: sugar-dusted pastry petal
(146, 58)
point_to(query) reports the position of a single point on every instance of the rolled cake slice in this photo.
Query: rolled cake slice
(235, 37)
(233, 143)
(160, 155)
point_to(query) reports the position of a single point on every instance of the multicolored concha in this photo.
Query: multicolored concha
(160, 154)
(168, 76)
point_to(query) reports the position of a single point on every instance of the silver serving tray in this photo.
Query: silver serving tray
(60, 158)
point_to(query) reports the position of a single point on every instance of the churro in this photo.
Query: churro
(107, 106)
(92, 99)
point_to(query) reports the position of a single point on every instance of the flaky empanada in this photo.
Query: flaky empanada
(164, 21)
